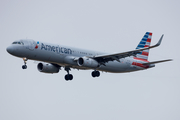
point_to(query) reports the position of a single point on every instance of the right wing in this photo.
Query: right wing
(117, 56)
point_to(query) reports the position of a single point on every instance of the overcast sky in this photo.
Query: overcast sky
(107, 26)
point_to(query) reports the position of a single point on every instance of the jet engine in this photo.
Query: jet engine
(48, 68)
(87, 62)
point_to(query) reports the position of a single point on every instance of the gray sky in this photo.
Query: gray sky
(101, 25)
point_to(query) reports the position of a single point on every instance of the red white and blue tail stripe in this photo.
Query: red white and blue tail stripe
(145, 42)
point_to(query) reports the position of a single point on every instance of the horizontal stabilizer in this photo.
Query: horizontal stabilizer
(157, 62)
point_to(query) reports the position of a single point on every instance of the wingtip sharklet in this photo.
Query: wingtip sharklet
(159, 42)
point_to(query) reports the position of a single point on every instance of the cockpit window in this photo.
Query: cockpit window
(14, 43)
(20, 43)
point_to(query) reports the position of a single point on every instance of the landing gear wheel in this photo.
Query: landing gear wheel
(95, 74)
(68, 77)
(24, 67)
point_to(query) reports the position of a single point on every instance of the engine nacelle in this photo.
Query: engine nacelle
(87, 62)
(47, 68)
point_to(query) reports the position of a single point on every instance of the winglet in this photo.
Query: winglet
(159, 42)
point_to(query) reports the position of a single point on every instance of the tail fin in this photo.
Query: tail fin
(145, 42)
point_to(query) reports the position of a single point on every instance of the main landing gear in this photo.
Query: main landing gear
(95, 73)
(68, 76)
(24, 66)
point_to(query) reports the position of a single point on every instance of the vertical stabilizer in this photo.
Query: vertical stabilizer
(145, 42)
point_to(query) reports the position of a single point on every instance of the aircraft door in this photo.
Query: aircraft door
(32, 44)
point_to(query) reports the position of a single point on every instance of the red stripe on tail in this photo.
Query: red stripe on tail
(140, 65)
(141, 59)
(145, 53)
(148, 40)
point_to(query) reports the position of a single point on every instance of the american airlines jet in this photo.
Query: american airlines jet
(54, 56)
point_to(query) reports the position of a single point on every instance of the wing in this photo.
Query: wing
(110, 57)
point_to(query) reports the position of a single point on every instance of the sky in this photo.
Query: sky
(110, 26)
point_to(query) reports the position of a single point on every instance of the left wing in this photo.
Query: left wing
(117, 56)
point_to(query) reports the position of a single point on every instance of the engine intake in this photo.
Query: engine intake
(87, 62)
(48, 68)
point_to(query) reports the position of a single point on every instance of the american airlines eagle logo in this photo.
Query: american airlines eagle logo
(37, 45)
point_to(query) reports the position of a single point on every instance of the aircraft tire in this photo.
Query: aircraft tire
(95, 74)
(68, 77)
(24, 67)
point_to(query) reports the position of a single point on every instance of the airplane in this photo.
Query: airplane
(53, 56)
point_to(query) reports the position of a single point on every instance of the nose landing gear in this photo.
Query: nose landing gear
(24, 66)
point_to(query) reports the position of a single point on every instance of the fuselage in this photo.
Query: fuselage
(66, 56)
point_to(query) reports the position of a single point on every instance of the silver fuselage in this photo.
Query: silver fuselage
(65, 56)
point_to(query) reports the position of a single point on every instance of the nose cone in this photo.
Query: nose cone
(10, 49)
